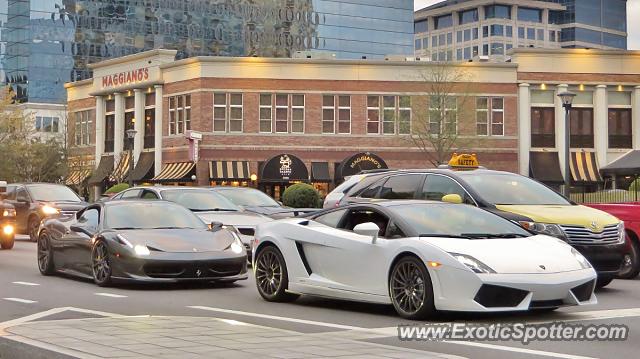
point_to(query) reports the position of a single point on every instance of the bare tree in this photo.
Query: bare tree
(436, 116)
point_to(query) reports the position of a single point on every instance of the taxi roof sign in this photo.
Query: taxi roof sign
(464, 160)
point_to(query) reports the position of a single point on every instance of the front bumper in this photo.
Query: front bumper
(605, 259)
(180, 267)
(461, 290)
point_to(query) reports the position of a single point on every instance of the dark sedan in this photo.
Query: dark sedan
(136, 240)
(253, 200)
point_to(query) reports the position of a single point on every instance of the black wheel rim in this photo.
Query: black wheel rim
(33, 229)
(408, 287)
(101, 267)
(44, 254)
(268, 272)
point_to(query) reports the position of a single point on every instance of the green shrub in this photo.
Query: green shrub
(301, 195)
(635, 186)
(117, 188)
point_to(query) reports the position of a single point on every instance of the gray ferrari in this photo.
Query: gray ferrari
(138, 240)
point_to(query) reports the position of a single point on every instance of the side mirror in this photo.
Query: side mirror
(80, 229)
(215, 226)
(368, 229)
(452, 198)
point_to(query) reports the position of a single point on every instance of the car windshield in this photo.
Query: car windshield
(53, 193)
(248, 198)
(199, 200)
(456, 220)
(150, 215)
(511, 189)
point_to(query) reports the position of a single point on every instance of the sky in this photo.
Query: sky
(633, 18)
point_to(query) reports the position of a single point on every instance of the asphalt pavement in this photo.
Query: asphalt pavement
(25, 295)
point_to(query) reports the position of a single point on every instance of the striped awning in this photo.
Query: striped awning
(229, 171)
(175, 172)
(77, 176)
(105, 167)
(584, 167)
(122, 170)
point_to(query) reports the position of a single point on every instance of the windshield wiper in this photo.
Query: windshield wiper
(439, 235)
(493, 235)
(214, 210)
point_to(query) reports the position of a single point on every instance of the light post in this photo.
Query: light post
(567, 101)
(131, 134)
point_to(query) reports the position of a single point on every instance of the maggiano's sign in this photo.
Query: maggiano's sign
(125, 78)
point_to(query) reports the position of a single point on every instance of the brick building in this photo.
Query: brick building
(270, 122)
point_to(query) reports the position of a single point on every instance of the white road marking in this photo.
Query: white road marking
(111, 295)
(20, 300)
(53, 311)
(519, 350)
(26, 283)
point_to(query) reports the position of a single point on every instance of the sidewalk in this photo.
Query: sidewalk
(183, 338)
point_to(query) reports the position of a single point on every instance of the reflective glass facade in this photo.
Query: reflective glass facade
(45, 43)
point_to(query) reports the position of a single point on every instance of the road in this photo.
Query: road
(23, 292)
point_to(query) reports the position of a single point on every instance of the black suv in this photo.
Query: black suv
(597, 235)
(7, 219)
(35, 201)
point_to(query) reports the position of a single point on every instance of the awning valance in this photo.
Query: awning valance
(627, 165)
(584, 167)
(77, 176)
(105, 167)
(284, 168)
(175, 172)
(545, 167)
(320, 172)
(122, 170)
(143, 167)
(229, 171)
(357, 163)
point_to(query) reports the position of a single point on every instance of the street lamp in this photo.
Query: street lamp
(131, 134)
(567, 101)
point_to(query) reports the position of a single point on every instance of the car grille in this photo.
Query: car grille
(195, 271)
(582, 235)
(493, 296)
(583, 291)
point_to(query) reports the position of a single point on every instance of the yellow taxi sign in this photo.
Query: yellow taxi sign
(464, 160)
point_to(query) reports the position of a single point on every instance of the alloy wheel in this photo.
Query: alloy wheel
(408, 287)
(269, 273)
(101, 265)
(44, 253)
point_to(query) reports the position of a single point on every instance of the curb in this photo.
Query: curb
(13, 349)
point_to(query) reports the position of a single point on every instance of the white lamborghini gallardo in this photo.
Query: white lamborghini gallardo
(421, 257)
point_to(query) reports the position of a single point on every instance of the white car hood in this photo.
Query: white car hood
(239, 219)
(514, 255)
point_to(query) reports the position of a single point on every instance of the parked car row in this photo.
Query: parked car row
(460, 238)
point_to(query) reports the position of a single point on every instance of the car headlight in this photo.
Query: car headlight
(141, 250)
(48, 210)
(584, 263)
(237, 247)
(8, 230)
(9, 212)
(475, 265)
(622, 235)
(553, 230)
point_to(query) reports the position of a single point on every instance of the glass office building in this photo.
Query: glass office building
(45, 43)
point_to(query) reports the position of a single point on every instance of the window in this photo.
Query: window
(90, 218)
(528, 14)
(459, 36)
(449, 38)
(442, 22)
(497, 30)
(425, 42)
(418, 44)
(400, 187)
(420, 26)
(359, 216)
(180, 114)
(474, 51)
(509, 31)
(443, 114)
(467, 35)
(540, 34)
(490, 116)
(485, 31)
(468, 16)
(521, 32)
(441, 40)
(372, 191)
(47, 124)
(284, 110)
(459, 54)
(620, 135)
(434, 41)
(497, 48)
(331, 219)
(581, 127)
(467, 53)
(83, 128)
(336, 113)
(436, 187)
(475, 33)
(389, 115)
(552, 36)
(134, 193)
(497, 12)
(227, 112)
(531, 34)
(485, 49)
(147, 194)
(543, 127)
